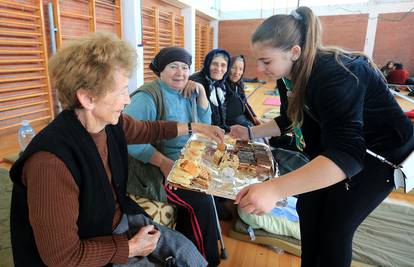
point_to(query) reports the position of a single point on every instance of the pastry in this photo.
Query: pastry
(197, 145)
(229, 140)
(194, 150)
(221, 146)
(246, 156)
(247, 168)
(188, 166)
(200, 183)
(179, 176)
(229, 160)
(184, 171)
(218, 155)
(203, 179)
(193, 153)
(263, 170)
(205, 174)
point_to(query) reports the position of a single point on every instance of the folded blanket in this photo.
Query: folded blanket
(281, 221)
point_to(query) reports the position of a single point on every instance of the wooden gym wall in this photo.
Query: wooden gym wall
(25, 91)
(162, 26)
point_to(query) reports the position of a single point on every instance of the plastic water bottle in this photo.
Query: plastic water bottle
(25, 134)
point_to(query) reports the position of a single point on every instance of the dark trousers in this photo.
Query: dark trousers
(330, 216)
(204, 212)
(171, 244)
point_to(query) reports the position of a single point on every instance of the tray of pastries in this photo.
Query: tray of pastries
(221, 169)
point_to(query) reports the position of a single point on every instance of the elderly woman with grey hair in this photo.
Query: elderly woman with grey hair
(69, 204)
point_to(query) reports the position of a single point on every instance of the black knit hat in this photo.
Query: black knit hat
(168, 55)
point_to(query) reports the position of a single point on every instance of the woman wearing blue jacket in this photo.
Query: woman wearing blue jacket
(162, 99)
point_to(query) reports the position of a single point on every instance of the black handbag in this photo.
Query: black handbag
(288, 160)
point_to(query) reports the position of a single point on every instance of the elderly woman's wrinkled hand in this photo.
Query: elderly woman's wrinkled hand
(213, 132)
(190, 88)
(144, 242)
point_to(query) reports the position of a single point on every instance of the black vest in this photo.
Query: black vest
(66, 138)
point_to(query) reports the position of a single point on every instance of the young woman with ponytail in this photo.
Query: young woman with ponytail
(337, 104)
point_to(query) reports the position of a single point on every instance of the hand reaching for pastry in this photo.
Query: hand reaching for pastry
(239, 132)
(213, 132)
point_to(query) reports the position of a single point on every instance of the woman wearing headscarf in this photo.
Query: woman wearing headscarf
(238, 109)
(213, 77)
(162, 99)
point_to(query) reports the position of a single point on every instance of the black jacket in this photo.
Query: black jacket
(352, 114)
(237, 107)
(66, 138)
(218, 113)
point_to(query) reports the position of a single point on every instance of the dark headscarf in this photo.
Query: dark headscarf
(205, 71)
(168, 55)
(233, 60)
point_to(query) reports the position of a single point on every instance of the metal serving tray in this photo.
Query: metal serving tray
(224, 182)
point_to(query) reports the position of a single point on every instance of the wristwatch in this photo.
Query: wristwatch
(190, 129)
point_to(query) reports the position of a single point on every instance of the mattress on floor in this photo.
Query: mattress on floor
(385, 238)
(289, 244)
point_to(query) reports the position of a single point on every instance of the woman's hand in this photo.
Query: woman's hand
(239, 132)
(144, 242)
(166, 166)
(213, 132)
(171, 187)
(190, 88)
(258, 198)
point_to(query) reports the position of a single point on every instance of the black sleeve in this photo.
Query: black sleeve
(337, 99)
(196, 77)
(282, 120)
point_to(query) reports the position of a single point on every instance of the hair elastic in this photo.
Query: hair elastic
(296, 15)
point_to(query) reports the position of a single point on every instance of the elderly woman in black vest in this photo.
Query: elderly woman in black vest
(69, 205)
